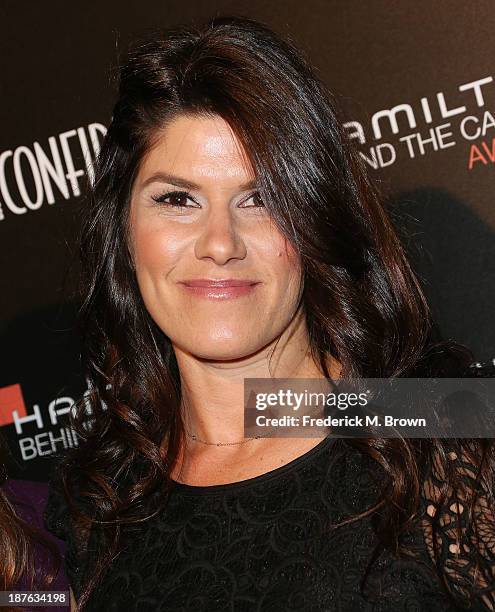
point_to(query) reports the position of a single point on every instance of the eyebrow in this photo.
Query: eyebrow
(163, 177)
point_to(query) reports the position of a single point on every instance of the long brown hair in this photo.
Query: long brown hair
(362, 302)
(22, 546)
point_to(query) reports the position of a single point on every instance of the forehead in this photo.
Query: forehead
(198, 147)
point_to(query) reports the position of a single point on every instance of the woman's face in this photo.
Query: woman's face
(195, 217)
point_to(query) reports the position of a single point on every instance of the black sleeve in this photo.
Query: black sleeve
(466, 543)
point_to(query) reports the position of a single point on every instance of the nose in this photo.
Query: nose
(220, 239)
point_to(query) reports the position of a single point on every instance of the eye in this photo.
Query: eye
(177, 199)
(256, 199)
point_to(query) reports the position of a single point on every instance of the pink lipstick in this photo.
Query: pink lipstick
(219, 289)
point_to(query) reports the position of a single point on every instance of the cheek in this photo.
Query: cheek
(154, 250)
(156, 255)
(286, 267)
(286, 257)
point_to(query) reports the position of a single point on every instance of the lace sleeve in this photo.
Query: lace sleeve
(459, 524)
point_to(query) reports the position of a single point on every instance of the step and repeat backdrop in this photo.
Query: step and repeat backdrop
(416, 81)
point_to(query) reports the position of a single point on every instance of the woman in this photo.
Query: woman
(30, 558)
(233, 233)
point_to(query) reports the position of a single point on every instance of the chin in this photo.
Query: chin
(222, 349)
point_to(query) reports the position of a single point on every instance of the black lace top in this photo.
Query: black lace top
(267, 543)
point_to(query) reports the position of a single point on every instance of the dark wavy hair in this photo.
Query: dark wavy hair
(362, 302)
(22, 545)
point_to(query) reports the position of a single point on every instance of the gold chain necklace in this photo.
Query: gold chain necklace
(196, 439)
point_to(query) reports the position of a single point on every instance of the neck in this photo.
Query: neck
(213, 391)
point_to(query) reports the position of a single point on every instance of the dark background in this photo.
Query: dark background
(58, 63)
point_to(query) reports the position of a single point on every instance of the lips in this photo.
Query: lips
(221, 289)
(201, 282)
